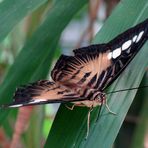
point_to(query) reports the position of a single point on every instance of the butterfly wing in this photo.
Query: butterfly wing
(92, 67)
(97, 66)
(123, 49)
(70, 74)
(83, 69)
(42, 92)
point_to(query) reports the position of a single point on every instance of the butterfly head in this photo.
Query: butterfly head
(100, 98)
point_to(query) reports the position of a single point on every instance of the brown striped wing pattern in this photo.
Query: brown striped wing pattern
(97, 66)
(42, 92)
(81, 70)
(90, 70)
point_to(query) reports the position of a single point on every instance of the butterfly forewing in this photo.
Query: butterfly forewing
(123, 49)
(97, 66)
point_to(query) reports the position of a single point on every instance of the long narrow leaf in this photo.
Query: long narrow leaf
(141, 131)
(35, 58)
(13, 11)
(69, 127)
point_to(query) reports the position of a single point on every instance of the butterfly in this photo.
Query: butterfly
(83, 77)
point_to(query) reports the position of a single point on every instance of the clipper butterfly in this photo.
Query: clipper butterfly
(83, 77)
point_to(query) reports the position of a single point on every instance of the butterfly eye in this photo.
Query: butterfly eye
(100, 97)
(103, 96)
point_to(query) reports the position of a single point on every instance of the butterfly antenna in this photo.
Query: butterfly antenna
(141, 87)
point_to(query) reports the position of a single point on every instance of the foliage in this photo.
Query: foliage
(69, 127)
(43, 22)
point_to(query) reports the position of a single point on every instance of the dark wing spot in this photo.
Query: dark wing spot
(92, 81)
(86, 75)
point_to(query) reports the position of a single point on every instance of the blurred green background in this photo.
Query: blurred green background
(33, 34)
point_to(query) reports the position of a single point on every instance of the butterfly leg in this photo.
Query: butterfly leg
(104, 101)
(88, 121)
(99, 111)
(109, 110)
(71, 107)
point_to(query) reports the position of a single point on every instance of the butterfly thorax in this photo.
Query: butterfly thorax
(93, 97)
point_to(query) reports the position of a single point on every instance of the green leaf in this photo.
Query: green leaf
(35, 58)
(139, 138)
(13, 11)
(69, 127)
